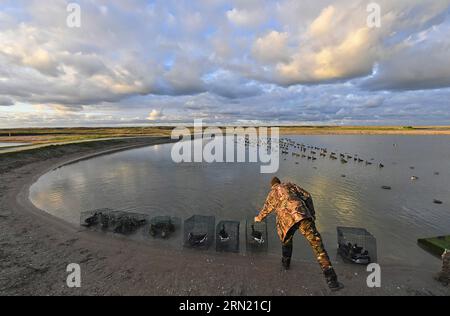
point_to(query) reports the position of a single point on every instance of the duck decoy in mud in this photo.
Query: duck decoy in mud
(223, 235)
(197, 240)
(257, 235)
(343, 160)
(92, 220)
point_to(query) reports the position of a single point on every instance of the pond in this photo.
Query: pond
(146, 180)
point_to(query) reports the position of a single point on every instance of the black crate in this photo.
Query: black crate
(356, 245)
(228, 242)
(163, 227)
(199, 231)
(260, 243)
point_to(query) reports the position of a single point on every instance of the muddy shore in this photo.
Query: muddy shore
(35, 249)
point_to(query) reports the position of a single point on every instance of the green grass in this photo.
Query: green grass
(435, 245)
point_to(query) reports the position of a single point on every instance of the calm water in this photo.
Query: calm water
(146, 180)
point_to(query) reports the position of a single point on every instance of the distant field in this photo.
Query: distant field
(58, 135)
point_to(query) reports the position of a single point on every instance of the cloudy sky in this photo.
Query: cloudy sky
(244, 61)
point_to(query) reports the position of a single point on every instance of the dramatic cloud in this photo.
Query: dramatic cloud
(283, 61)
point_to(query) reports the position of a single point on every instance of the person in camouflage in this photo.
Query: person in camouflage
(295, 211)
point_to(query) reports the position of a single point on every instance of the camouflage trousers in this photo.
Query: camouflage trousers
(308, 229)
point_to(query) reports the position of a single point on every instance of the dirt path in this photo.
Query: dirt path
(36, 248)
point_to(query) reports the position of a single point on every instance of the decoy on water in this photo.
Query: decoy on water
(438, 202)
(386, 187)
(257, 235)
(197, 240)
(414, 178)
(381, 165)
(223, 235)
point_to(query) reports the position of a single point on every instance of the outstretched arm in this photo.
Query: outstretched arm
(269, 207)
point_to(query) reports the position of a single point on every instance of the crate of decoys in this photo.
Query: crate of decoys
(227, 236)
(162, 227)
(124, 223)
(256, 236)
(356, 245)
(199, 231)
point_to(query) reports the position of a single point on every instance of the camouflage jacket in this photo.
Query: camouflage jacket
(291, 203)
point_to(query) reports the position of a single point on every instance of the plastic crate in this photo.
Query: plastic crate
(199, 232)
(356, 245)
(255, 244)
(229, 242)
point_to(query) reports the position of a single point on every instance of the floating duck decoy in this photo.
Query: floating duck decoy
(436, 173)
(223, 235)
(386, 187)
(381, 166)
(343, 160)
(197, 240)
(257, 235)
(368, 163)
(438, 202)
(414, 178)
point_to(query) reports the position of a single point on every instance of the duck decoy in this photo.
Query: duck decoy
(197, 240)
(414, 178)
(223, 235)
(381, 166)
(257, 235)
(386, 187)
(438, 202)
(91, 221)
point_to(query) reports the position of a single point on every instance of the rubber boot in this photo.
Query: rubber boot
(332, 280)
(286, 262)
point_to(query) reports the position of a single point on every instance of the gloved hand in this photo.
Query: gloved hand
(257, 220)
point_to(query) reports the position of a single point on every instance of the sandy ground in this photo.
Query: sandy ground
(35, 249)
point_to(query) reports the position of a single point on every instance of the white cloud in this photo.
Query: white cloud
(154, 115)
